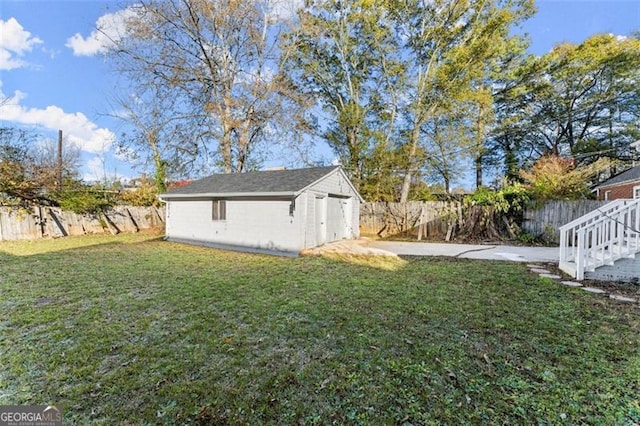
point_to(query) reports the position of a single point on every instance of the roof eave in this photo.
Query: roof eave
(624, 182)
(170, 196)
(338, 169)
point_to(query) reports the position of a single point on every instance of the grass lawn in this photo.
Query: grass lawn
(134, 330)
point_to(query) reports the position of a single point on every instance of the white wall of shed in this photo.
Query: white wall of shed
(334, 184)
(309, 230)
(259, 224)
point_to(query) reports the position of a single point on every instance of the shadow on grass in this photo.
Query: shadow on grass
(20, 248)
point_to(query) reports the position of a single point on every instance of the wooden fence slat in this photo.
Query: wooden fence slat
(44, 222)
(133, 222)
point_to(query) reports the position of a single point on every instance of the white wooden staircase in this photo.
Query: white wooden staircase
(599, 238)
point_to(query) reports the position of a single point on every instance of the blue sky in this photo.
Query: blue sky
(51, 67)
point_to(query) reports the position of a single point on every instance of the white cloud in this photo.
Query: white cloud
(284, 10)
(15, 41)
(619, 37)
(97, 170)
(110, 28)
(78, 129)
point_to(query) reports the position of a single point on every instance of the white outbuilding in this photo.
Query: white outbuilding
(275, 210)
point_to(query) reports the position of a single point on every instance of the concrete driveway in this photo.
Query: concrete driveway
(470, 251)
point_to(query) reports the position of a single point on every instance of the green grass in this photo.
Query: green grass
(134, 330)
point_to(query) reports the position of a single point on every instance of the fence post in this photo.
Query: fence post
(132, 220)
(420, 221)
(110, 225)
(56, 220)
(41, 222)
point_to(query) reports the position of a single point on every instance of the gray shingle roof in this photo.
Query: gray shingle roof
(270, 181)
(632, 174)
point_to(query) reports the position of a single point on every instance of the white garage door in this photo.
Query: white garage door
(337, 218)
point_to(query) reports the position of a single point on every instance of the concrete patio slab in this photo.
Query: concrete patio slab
(471, 251)
(594, 290)
(552, 276)
(620, 298)
(540, 271)
(571, 283)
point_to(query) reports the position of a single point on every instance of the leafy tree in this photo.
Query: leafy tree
(446, 142)
(507, 145)
(556, 178)
(379, 178)
(446, 45)
(15, 165)
(384, 71)
(578, 100)
(81, 198)
(337, 55)
(145, 194)
(29, 166)
(497, 83)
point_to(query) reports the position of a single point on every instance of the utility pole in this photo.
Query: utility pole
(59, 168)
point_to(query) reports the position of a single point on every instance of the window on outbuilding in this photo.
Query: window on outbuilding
(607, 195)
(636, 192)
(219, 210)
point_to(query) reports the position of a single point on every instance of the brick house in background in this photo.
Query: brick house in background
(623, 185)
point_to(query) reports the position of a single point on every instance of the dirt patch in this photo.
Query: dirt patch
(347, 247)
(45, 301)
(357, 252)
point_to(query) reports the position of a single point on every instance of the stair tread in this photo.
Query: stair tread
(597, 226)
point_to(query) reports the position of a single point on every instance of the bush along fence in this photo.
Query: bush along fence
(47, 222)
(438, 221)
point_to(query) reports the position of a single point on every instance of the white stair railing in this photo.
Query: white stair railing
(601, 237)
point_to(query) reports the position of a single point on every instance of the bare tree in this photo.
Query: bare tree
(157, 134)
(29, 166)
(44, 157)
(217, 63)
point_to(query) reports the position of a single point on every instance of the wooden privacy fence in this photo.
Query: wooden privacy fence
(45, 222)
(430, 219)
(436, 220)
(545, 220)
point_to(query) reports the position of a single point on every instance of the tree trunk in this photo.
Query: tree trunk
(413, 148)
(478, 163)
(226, 122)
(479, 146)
(160, 175)
(354, 156)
